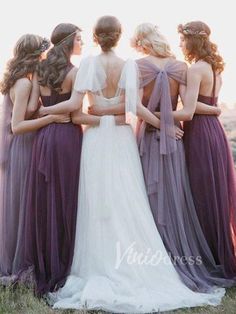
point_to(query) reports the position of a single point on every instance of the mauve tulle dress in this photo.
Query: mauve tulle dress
(15, 156)
(52, 200)
(167, 182)
(213, 183)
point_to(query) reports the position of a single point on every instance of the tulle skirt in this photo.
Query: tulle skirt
(120, 263)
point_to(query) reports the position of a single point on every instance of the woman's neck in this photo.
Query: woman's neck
(108, 53)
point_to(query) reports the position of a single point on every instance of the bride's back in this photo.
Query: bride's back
(112, 65)
(107, 32)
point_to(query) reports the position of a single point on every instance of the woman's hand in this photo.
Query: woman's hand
(178, 133)
(157, 114)
(218, 111)
(120, 119)
(42, 111)
(96, 110)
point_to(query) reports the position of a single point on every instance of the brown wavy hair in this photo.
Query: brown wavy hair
(26, 56)
(52, 70)
(199, 46)
(107, 32)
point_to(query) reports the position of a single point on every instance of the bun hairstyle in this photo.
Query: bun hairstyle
(148, 39)
(199, 46)
(26, 55)
(107, 32)
(53, 69)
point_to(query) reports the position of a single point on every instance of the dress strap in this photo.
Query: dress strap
(214, 87)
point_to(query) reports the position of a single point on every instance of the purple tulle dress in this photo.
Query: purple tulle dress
(213, 183)
(52, 200)
(15, 156)
(167, 181)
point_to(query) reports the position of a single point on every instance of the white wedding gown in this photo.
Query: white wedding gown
(120, 264)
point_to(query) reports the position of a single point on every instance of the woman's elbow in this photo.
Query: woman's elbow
(16, 130)
(77, 119)
(188, 116)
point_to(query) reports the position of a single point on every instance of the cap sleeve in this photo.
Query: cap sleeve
(129, 82)
(90, 76)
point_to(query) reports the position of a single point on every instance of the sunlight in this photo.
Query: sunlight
(26, 17)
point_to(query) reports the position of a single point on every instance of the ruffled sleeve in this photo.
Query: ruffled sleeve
(129, 82)
(90, 76)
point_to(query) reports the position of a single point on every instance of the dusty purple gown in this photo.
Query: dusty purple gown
(213, 183)
(167, 182)
(15, 156)
(52, 200)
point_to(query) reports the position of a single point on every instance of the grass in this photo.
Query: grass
(21, 301)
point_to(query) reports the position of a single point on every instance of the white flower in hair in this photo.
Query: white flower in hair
(139, 43)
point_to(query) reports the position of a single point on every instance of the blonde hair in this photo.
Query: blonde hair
(149, 40)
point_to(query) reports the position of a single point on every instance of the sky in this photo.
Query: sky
(40, 17)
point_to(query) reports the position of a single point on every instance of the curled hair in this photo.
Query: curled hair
(53, 69)
(26, 55)
(149, 39)
(199, 45)
(107, 32)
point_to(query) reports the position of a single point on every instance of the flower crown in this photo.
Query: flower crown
(44, 45)
(188, 31)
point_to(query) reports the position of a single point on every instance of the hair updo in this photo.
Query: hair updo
(107, 32)
(199, 45)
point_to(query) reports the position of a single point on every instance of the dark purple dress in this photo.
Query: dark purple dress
(15, 156)
(167, 182)
(52, 200)
(213, 183)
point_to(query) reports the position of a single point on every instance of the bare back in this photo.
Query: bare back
(113, 66)
(204, 69)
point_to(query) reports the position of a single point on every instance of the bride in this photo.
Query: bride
(120, 263)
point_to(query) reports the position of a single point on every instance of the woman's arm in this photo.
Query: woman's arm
(189, 97)
(145, 114)
(118, 109)
(201, 108)
(33, 102)
(19, 125)
(67, 106)
(78, 117)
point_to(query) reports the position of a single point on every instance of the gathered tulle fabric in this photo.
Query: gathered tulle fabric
(213, 183)
(120, 263)
(14, 167)
(168, 187)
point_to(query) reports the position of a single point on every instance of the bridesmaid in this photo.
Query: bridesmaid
(16, 137)
(54, 171)
(209, 157)
(163, 79)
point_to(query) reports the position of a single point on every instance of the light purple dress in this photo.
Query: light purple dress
(167, 182)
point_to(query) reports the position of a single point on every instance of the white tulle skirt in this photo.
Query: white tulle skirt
(120, 263)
